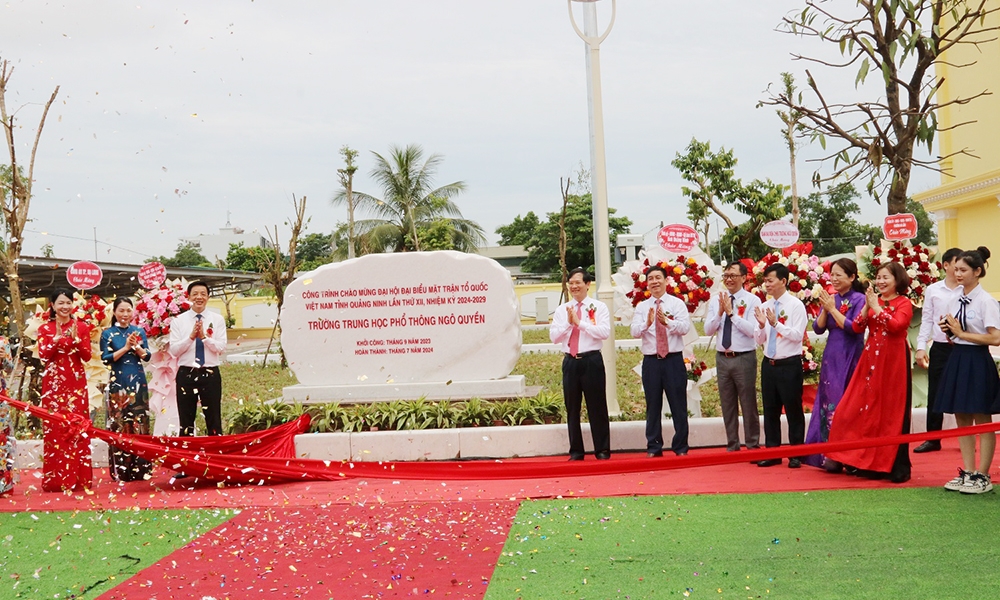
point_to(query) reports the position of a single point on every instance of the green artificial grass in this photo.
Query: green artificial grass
(879, 544)
(83, 554)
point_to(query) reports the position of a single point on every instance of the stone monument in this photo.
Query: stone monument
(438, 325)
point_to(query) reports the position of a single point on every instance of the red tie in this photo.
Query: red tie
(662, 344)
(574, 338)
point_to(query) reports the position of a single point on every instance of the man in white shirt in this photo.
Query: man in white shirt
(781, 328)
(937, 298)
(661, 322)
(731, 316)
(198, 340)
(580, 326)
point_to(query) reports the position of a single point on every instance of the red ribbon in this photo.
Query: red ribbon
(269, 456)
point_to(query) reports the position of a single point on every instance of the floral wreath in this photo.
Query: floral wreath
(687, 280)
(917, 259)
(806, 275)
(156, 309)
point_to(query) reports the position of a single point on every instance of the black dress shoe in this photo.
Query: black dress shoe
(657, 454)
(832, 466)
(928, 446)
(771, 462)
(603, 456)
(575, 458)
(681, 453)
(794, 463)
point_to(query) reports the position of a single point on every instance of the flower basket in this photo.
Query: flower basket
(806, 275)
(687, 279)
(917, 259)
(154, 312)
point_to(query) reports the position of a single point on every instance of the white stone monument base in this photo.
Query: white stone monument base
(507, 387)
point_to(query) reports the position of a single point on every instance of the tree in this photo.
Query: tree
(315, 249)
(902, 40)
(186, 255)
(716, 187)
(519, 231)
(254, 259)
(410, 202)
(828, 221)
(925, 226)
(543, 246)
(792, 127)
(16, 195)
(280, 270)
(346, 194)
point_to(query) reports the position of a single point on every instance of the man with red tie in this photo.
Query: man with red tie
(661, 322)
(581, 326)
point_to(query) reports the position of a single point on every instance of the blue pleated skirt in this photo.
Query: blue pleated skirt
(969, 383)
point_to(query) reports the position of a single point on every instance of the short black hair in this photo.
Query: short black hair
(656, 267)
(780, 271)
(951, 254)
(199, 283)
(742, 267)
(587, 277)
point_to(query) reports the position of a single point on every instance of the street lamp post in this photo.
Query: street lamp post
(599, 182)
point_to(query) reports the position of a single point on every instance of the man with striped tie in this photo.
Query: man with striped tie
(661, 322)
(580, 326)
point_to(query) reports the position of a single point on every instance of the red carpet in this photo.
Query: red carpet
(930, 469)
(375, 550)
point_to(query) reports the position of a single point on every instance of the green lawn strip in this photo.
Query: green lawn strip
(879, 544)
(83, 554)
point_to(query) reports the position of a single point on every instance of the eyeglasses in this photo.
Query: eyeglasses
(732, 275)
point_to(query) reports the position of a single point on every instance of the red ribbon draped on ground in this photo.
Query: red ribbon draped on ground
(269, 456)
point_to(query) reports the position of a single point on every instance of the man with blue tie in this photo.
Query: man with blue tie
(781, 328)
(731, 316)
(198, 340)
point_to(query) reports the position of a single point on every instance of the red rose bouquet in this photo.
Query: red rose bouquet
(157, 308)
(686, 279)
(93, 310)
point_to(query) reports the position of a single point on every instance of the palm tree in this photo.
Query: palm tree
(410, 205)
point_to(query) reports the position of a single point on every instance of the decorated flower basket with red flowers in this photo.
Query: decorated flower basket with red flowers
(917, 259)
(157, 308)
(806, 275)
(695, 368)
(687, 279)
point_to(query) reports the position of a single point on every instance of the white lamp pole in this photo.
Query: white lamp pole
(599, 181)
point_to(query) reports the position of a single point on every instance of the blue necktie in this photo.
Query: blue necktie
(772, 337)
(199, 347)
(961, 315)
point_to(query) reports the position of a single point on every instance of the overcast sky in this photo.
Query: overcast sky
(171, 114)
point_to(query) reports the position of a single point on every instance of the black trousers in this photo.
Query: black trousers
(199, 385)
(781, 387)
(938, 359)
(584, 377)
(665, 376)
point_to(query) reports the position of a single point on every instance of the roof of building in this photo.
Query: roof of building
(41, 276)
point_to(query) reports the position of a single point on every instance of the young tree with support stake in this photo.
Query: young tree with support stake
(16, 196)
(901, 40)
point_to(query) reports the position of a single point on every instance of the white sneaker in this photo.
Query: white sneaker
(977, 483)
(957, 483)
